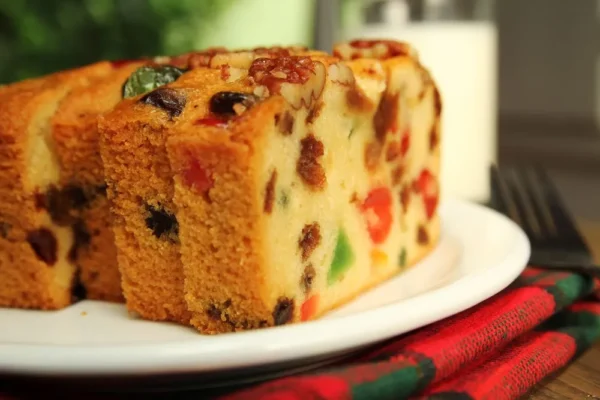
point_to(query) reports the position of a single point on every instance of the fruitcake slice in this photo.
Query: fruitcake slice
(139, 178)
(82, 184)
(289, 192)
(36, 238)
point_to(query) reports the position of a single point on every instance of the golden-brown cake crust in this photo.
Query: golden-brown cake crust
(76, 138)
(34, 250)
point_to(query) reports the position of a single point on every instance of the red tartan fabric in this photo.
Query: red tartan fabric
(497, 350)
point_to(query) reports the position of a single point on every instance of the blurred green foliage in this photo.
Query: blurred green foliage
(43, 36)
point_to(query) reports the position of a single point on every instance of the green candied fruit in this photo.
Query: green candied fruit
(343, 258)
(148, 78)
(402, 258)
(283, 199)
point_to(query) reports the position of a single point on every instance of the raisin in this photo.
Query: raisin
(422, 235)
(162, 223)
(373, 152)
(224, 103)
(270, 193)
(284, 311)
(213, 312)
(148, 78)
(44, 244)
(59, 206)
(307, 278)
(285, 123)
(81, 238)
(78, 290)
(357, 100)
(308, 167)
(75, 196)
(437, 102)
(393, 151)
(314, 113)
(309, 239)
(405, 198)
(397, 175)
(433, 138)
(170, 100)
(386, 115)
(4, 229)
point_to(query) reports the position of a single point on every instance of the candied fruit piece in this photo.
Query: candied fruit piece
(284, 311)
(162, 223)
(148, 78)
(44, 244)
(309, 308)
(377, 209)
(343, 257)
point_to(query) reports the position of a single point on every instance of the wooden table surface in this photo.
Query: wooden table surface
(581, 379)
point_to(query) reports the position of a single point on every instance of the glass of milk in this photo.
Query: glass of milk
(457, 41)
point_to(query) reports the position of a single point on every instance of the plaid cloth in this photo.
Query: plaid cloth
(497, 350)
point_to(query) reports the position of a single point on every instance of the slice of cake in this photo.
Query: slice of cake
(301, 180)
(140, 181)
(36, 239)
(303, 183)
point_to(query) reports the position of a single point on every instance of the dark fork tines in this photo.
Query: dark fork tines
(529, 197)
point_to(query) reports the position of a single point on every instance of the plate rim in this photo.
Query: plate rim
(183, 356)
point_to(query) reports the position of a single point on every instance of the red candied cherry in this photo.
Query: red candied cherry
(377, 209)
(211, 121)
(309, 308)
(429, 189)
(405, 142)
(197, 177)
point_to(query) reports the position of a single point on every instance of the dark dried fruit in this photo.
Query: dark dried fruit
(61, 203)
(285, 123)
(170, 100)
(433, 138)
(393, 151)
(307, 278)
(422, 235)
(162, 223)
(81, 238)
(373, 152)
(213, 312)
(308, 167)
(405, 198)
(309, 239)
(284, 311)
(225, 103)
(270, 193)
(148, 78)
(44, 244)
(4, 229)
(386, 115)
(357, 100)
(78, 290)
(437, 102)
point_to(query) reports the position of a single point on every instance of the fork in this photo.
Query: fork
(529, 197)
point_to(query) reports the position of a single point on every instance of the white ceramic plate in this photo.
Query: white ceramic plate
(480, 253)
